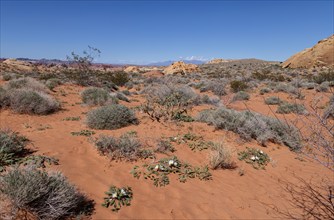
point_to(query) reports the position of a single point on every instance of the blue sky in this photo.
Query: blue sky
(148, 31)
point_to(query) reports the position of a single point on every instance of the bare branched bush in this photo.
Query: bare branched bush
(168, 102)
(47, 196)
(221, 157)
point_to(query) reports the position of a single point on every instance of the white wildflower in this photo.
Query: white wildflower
(114, 195)
(123, 192)
(252, 158)
(257, 158)
(156, 168)
(171, 162)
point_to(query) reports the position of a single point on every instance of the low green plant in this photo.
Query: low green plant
(241, 96)
(118, 197)
(72, 118)
(12, 148)
(256, 157)
(286, 108)
(158, 172)
(273, 100)
(83, 133)
(39, 161)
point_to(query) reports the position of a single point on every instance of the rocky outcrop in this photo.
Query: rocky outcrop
(132, 69)
(215, 61)
(320, 55)
(180, 67)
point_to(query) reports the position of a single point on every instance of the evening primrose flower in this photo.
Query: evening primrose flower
(175, 163)
(171, 162)
(156, 168)
(261, 152)
(257, 158)
(123, 192)
(114, 195)
(253, 158)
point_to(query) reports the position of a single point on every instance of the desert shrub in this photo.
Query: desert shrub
(32, 102)
(323, 87)
(286, 108)
(125, 147)
(290, 89)
(273, 100)
(329, 111)
(52, 83)
(111, 117)
(47, 196)
(308, 85)
(94, 96)
(237, 86)
(217, 87)
(12, 147)
(121, 96)
(168, 102)
(4, 98)
(239, 96)
(120, 78)
(126, 92)
(26, 83)
(164, 146)
(251, 125)
(221, 157)
(8, 76)
(265, 90)
(324, 76)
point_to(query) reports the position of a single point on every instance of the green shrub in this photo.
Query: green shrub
(286, 108)
(32, 102)
(12, 147)
(240, 96)
(111, 117)
(125, 147)
(94, 96)
(47, 196)
(251, 125)
(324, 76)
(52, 83)
(273, 100)
(4, 98)
(237, 86)
(120, 78)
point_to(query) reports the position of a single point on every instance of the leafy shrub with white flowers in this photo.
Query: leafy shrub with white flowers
(256, 157)
(118, 197)
(158, 172)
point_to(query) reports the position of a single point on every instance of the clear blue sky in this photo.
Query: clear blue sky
(148, 31)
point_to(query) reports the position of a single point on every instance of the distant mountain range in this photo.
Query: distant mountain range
(169, 62)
